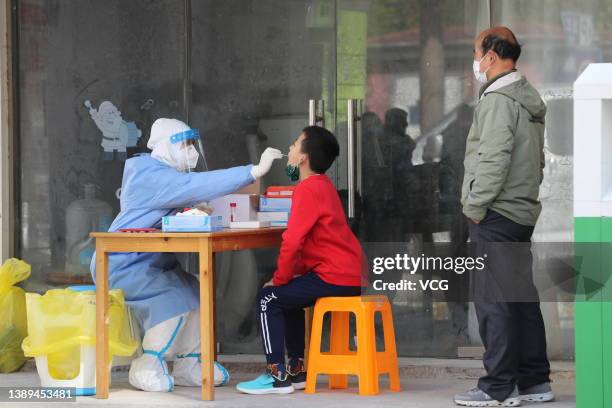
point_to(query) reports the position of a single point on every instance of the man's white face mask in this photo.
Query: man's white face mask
(480, 76)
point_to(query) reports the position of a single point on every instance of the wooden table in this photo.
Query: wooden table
(206, 244)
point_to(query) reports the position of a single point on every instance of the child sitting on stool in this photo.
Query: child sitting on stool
(319, 257)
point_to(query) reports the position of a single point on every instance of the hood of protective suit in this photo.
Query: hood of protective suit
(159, 142)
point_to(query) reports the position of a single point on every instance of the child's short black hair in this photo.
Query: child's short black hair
(321, 147)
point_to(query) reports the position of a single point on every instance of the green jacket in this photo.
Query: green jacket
(504, 157)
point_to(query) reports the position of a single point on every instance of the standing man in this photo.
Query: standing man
(504, 163)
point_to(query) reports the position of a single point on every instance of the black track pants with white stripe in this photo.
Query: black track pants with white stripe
(280, 313)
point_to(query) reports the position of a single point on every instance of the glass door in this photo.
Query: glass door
(405, 97)
(260, 71)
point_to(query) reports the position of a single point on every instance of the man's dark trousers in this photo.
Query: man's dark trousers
(513, 332)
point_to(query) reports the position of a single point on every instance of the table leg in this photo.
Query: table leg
(215, 342)
(207, 318)
(102, 352)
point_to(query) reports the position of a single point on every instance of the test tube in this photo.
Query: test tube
(232, 212)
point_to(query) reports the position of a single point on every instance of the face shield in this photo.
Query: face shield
(186, 151)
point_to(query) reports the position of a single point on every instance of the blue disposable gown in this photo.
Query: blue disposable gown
(154, 284)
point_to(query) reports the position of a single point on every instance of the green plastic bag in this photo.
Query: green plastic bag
(13, 320)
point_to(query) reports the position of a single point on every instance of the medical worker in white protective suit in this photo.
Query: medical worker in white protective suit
(163, 296)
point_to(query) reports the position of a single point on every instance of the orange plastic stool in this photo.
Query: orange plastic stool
(340, 361)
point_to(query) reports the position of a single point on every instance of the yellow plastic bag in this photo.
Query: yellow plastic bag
(13, 321)
(62, 320)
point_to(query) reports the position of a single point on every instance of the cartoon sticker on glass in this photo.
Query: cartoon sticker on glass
(117, 134)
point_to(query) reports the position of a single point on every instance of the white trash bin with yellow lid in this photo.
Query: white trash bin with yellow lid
(62, 335)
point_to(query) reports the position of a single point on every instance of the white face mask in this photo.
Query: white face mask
(192, 157)
(480, 76)
(182, 159)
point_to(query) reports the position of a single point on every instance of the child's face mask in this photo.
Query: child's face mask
(293, 172)
(294, 158)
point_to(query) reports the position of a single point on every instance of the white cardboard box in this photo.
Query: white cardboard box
(246, 207)
(249, 224)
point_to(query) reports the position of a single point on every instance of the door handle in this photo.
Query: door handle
(316, 112)
(354, 109)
